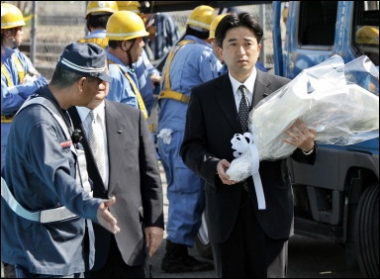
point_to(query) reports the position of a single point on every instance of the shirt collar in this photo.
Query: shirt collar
(249, 83)
(99, 33)
(197, 40)
(117, 61)
(99, 110)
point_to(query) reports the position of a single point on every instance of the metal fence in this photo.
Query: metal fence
(53, 25)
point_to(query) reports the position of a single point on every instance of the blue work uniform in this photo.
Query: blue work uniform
(40, 172)
(143, 70)
(14, 89)
(166, 35)
(121, 90)
(194, 63)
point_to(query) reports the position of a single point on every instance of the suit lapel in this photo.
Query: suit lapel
(114, 129)
(225, 98)
(261, 88)
(97, 182)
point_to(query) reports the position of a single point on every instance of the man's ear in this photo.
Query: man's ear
(125, 45)
(259, 46)
(81, 82)
(219, 51)
(7, 33)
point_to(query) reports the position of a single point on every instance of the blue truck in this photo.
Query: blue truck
(337, 199)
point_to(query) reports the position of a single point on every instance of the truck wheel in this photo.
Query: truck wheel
(367, 232)
(202, 242)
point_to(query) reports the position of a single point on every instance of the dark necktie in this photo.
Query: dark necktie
(243, 109)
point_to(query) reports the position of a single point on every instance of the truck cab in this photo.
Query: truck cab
(337, 199)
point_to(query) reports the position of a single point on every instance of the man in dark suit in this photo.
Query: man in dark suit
(247, 241)
(130, 173)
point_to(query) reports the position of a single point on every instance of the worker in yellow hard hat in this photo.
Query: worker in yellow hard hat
(19, 76)
(367, 40)
(97, 15)
(190, 62)
(367, 35)
(12, 21)
(148, 76)
(125, 31)
(162, 29)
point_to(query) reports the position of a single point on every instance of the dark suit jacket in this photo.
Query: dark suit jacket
(134, 179)
(212, 120)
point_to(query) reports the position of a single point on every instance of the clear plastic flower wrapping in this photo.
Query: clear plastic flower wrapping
(340, 101)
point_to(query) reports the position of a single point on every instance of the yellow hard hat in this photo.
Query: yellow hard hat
(11, 16)
(368, 35)
(214, 24)
(125, 25)
(202, 16)
(132, 6)
(99, 7)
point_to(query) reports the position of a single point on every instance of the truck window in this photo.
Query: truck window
(317, 22)
(366, 29)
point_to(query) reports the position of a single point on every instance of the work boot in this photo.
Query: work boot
(177, 260)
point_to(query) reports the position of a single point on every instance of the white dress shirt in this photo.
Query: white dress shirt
(100, 117)
(249, 83)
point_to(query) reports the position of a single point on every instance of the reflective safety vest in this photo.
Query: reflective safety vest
(21, 76)
(19, 67)
(140, 100)
(60, 213)
(167, 93)
(102, 42)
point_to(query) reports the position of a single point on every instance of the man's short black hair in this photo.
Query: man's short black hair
(98, 21)
(242, 19)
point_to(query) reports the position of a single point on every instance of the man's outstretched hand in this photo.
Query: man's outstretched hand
(105, 218)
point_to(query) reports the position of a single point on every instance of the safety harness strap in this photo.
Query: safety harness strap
(21, 76)
(19, 67)
(140, 100)
(175, 96)
(6, 118)
(60, 213)
(44, 216)
(167, 93)
(7, 76)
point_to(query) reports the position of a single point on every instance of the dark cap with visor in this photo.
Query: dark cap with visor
(87, 59)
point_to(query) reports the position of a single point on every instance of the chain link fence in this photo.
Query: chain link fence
(53, 25)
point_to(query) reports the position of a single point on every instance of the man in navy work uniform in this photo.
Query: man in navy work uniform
(47, 207)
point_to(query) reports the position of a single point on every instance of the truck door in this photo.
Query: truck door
(310, 35)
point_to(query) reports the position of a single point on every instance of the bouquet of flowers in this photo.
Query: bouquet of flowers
(340, 101)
